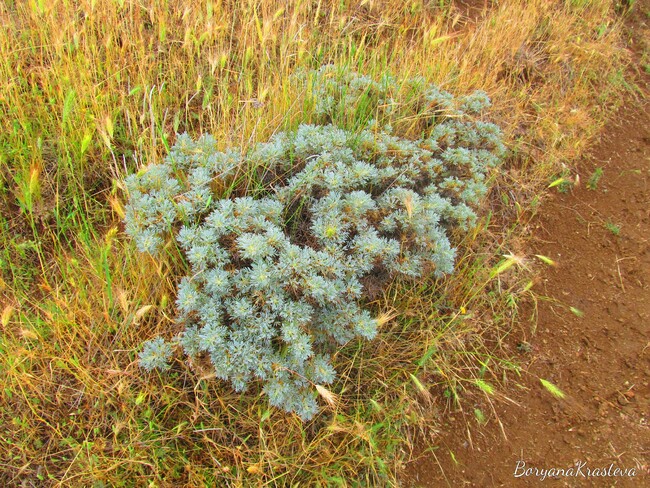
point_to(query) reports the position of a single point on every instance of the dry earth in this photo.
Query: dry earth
(598, 354)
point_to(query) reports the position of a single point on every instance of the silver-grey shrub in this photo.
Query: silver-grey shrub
(276, 272)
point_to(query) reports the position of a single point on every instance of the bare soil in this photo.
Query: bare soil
(598, 354)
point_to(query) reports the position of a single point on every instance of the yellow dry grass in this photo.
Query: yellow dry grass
(92, 89)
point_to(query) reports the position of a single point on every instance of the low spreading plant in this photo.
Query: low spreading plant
(277, 270)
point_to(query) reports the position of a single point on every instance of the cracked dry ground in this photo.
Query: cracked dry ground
(600, 240)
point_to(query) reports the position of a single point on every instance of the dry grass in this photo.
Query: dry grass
(90, 90)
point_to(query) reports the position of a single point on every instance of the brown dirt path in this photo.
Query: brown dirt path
(598, 355)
